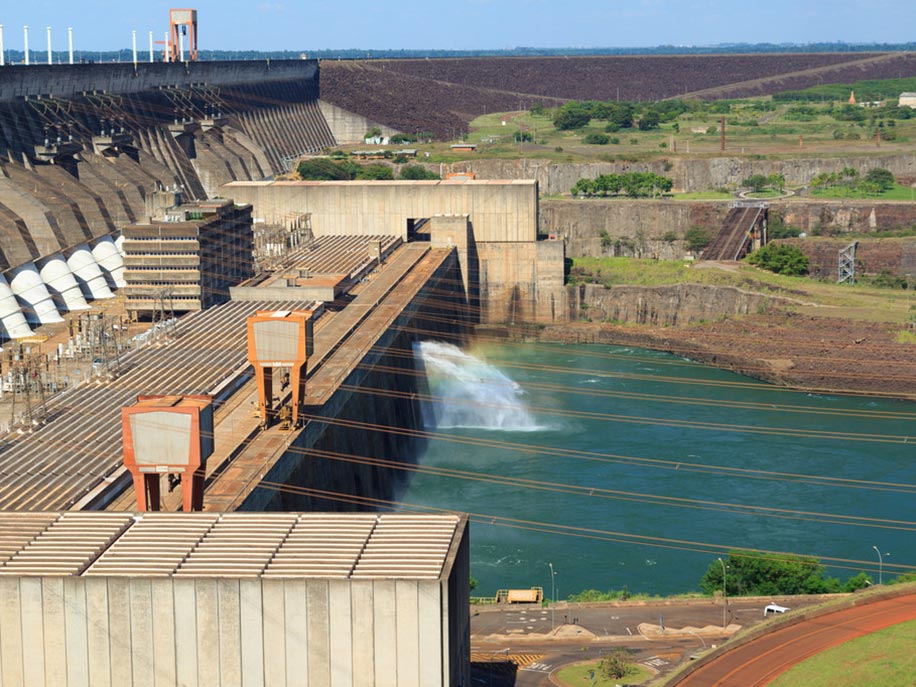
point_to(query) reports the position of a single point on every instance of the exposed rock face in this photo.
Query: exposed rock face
(678, 304)
(645, 228)
(688, 174)
(896, 256)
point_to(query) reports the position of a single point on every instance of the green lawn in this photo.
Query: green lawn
(884, 658)
(899, 192)
(704, 195)
(577, 675)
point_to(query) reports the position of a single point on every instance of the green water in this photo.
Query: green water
(607, 490)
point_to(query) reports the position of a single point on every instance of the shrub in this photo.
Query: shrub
(616, 666)
(614, 140)
(417, 173)
(596, 139)
(523, 137)
(697, 238)
(780, 259)
(398, 139)
(375, 173)
(881, 177)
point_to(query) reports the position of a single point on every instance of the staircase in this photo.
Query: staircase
(736, 236)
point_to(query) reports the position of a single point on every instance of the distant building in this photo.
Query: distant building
(907, 100)
(187, 258)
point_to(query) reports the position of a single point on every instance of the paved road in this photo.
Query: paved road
(756, 663)
(517, 645)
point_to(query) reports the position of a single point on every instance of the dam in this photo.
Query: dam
(94, 150)
(110, 185)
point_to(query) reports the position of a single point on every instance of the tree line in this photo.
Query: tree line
(632, 184)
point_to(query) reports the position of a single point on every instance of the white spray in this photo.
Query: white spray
(469, 392)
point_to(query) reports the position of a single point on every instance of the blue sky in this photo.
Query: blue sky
(463, 24)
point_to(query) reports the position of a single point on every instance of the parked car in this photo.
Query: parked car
(773, 609)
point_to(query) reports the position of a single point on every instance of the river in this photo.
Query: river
(632, 468)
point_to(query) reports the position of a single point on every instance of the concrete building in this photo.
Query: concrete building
(199, 599)
(509, 274)
(907, 100)
(188, 259)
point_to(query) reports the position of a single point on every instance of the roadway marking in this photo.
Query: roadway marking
(538, 667)
(655, 662)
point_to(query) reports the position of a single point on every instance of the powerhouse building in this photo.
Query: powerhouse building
(201, 599)
(188, 259)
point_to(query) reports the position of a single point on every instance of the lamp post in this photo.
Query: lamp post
(880, 564)
(553, 598)
(724, 596)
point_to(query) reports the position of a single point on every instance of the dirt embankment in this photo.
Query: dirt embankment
(784, 348)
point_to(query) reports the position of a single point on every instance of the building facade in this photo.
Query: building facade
(188, 257)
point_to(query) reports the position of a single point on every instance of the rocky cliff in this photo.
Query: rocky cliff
(691, 174)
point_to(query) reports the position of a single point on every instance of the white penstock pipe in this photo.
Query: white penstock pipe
(50, 56)
(70, 42)
(2, 57)
(25, 40)
(151, 47)
(133, 40)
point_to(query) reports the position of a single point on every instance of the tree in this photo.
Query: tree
(374, 132)
(755, 573)
(756, 182)
(321, 169)
(697, 238)
(781, 259)
(650, 120)
(572, 115)
(882, 178)
(417, 173)
(375, 173)
(596, 139)
(616, 666)
(523, 137)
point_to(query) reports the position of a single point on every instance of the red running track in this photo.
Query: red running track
(759, 661)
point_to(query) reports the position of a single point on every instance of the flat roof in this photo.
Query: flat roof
(301, 545)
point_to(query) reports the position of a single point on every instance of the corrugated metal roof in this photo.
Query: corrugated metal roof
(325, 545)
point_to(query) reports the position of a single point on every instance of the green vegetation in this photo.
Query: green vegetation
(760, 182)
(754, 573)
(847, 183)
(417, 173)
(323, 169)
(781, 259)
(883, 658)
(579, 675)
(632, 184)
(866, 91)
(697, 238)
(597, 139)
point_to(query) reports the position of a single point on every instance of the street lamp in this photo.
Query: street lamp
(553, 599)
(724, 597)
(880, 564)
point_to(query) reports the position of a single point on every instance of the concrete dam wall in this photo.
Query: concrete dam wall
(363, 441)
(83, 147)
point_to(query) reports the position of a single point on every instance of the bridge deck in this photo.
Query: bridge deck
(237, 427)
(229, 489)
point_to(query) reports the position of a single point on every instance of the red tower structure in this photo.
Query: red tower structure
(280, 338)
(168, 435)
(182, 23)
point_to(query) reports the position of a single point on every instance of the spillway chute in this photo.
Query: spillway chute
(106, 254)
(88, 274)
(61, 283)
(12, 319)
(26, 283)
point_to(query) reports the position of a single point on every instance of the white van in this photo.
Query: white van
(773, 609)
